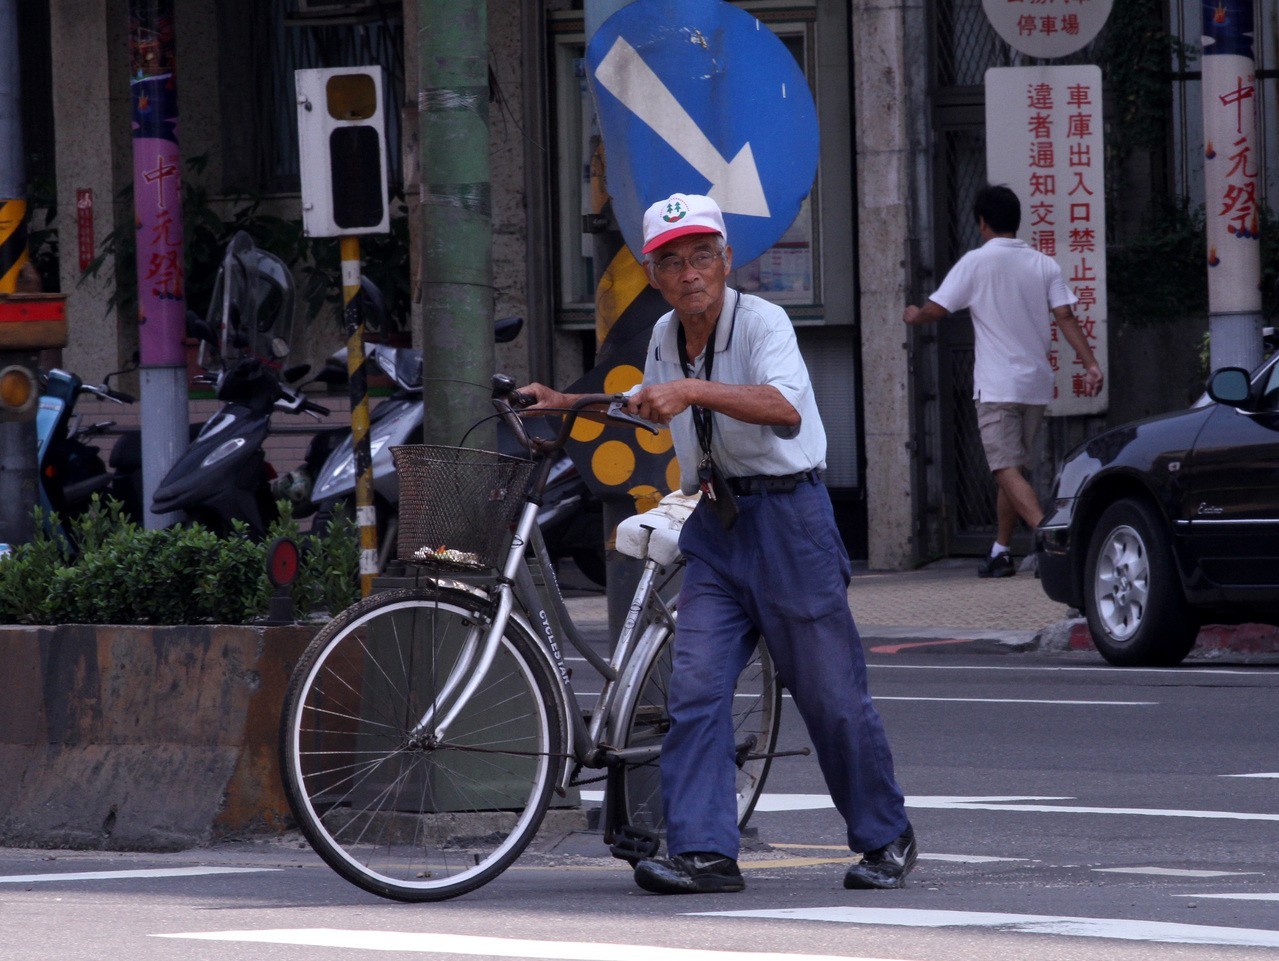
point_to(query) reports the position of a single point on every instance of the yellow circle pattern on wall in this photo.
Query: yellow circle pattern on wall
(613, 462)
(645, 460)
(621, 378)
(618, 462)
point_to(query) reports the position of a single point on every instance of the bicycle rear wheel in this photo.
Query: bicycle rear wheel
(644, 721)
(386, 802)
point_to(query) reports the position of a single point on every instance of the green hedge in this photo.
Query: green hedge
(120, 573)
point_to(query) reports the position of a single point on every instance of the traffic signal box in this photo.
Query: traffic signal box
(342, 147)
(28, 323)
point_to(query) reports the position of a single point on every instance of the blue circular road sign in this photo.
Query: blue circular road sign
(697, 96)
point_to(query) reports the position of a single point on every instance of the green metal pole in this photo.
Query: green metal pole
(457, 237)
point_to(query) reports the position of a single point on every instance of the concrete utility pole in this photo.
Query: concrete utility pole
(456, 277)
(1231, 180)
(157, 199)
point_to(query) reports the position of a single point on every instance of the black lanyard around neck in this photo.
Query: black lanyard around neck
(702, 419)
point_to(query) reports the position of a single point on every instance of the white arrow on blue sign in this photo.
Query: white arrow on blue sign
(697, 96)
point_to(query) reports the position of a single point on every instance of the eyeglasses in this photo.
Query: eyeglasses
(701, 260)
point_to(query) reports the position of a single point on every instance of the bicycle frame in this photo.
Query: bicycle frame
(548, 622)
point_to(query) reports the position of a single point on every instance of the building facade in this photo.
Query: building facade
(898, 90)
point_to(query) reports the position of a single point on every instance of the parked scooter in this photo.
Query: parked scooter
(571, 517)
(71, 469)
(223, 476)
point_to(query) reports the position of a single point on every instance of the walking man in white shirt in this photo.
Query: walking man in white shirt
(1013, 293)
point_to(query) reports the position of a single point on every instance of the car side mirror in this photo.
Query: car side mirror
(1230, 385)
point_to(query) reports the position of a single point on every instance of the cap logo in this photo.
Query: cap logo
(675, 212)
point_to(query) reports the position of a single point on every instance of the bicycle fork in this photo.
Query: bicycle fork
(472, 664)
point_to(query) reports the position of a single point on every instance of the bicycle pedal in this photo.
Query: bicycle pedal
(632, 844)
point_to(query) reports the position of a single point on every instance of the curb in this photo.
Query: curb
(1073, 635)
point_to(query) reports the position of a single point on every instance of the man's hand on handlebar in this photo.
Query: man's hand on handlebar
(546, 400)
(658, 403)
(602, 408)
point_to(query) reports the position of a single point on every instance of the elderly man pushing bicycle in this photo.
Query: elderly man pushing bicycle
(723, 369)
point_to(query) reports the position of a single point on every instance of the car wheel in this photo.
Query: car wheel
(1132, 595)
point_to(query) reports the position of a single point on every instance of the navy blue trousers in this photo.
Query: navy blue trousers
(781, 572)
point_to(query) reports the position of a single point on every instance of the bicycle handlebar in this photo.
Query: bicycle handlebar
(506, 399)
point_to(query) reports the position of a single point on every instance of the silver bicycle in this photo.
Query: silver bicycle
(426, 730)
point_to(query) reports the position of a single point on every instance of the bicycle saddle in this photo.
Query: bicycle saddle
(655, 533)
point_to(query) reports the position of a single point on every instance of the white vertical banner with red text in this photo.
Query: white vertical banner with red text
(1232, 165)
(1044, 140)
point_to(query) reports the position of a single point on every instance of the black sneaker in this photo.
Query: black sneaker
(1001, 565)
(885, 867)
(698, 872)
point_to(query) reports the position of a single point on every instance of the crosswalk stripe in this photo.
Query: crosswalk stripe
(430, 943)
(126, 875)
(1175, 872)
(1123, 929)
(816, 802)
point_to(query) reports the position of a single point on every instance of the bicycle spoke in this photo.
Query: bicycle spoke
(390, 806)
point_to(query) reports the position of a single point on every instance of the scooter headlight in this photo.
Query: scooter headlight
(222, 451)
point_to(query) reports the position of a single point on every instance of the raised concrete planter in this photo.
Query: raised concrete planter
(142, 738)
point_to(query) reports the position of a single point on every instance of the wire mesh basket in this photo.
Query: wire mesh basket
(457, 505)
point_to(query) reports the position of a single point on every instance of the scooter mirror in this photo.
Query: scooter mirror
(296, 372)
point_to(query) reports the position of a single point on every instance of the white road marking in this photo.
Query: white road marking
(819, 802)
(1066, 669)
(1020, 700)
(1250, 775)
(1001, 804)
(1241, 896)
(926, 856)
(1118, 928)
(429, 943)
(127, 875)
(1175, 872)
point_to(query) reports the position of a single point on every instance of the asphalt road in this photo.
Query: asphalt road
(1065, 809)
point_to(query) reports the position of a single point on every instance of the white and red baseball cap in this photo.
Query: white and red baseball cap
(678, 216)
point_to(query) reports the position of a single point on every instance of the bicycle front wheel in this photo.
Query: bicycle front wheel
(387, 800)
(644, 721)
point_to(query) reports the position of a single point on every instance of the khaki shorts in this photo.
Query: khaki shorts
(1008, 432)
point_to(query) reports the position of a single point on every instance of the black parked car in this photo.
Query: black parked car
(1164, 525)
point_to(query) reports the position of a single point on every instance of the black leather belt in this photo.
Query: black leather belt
(765, 483)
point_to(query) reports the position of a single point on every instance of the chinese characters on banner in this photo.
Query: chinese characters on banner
(157, 190)
(1044, 140)
(84, 226)
(1230, 158)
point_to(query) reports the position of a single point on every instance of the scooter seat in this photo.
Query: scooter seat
(655, 533)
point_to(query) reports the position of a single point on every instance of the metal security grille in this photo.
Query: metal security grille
(967, 487)
(301, 43)
(974, 494)
(965, 43)
(965, 46)
(964, 161)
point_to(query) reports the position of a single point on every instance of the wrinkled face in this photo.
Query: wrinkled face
(691, 272)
